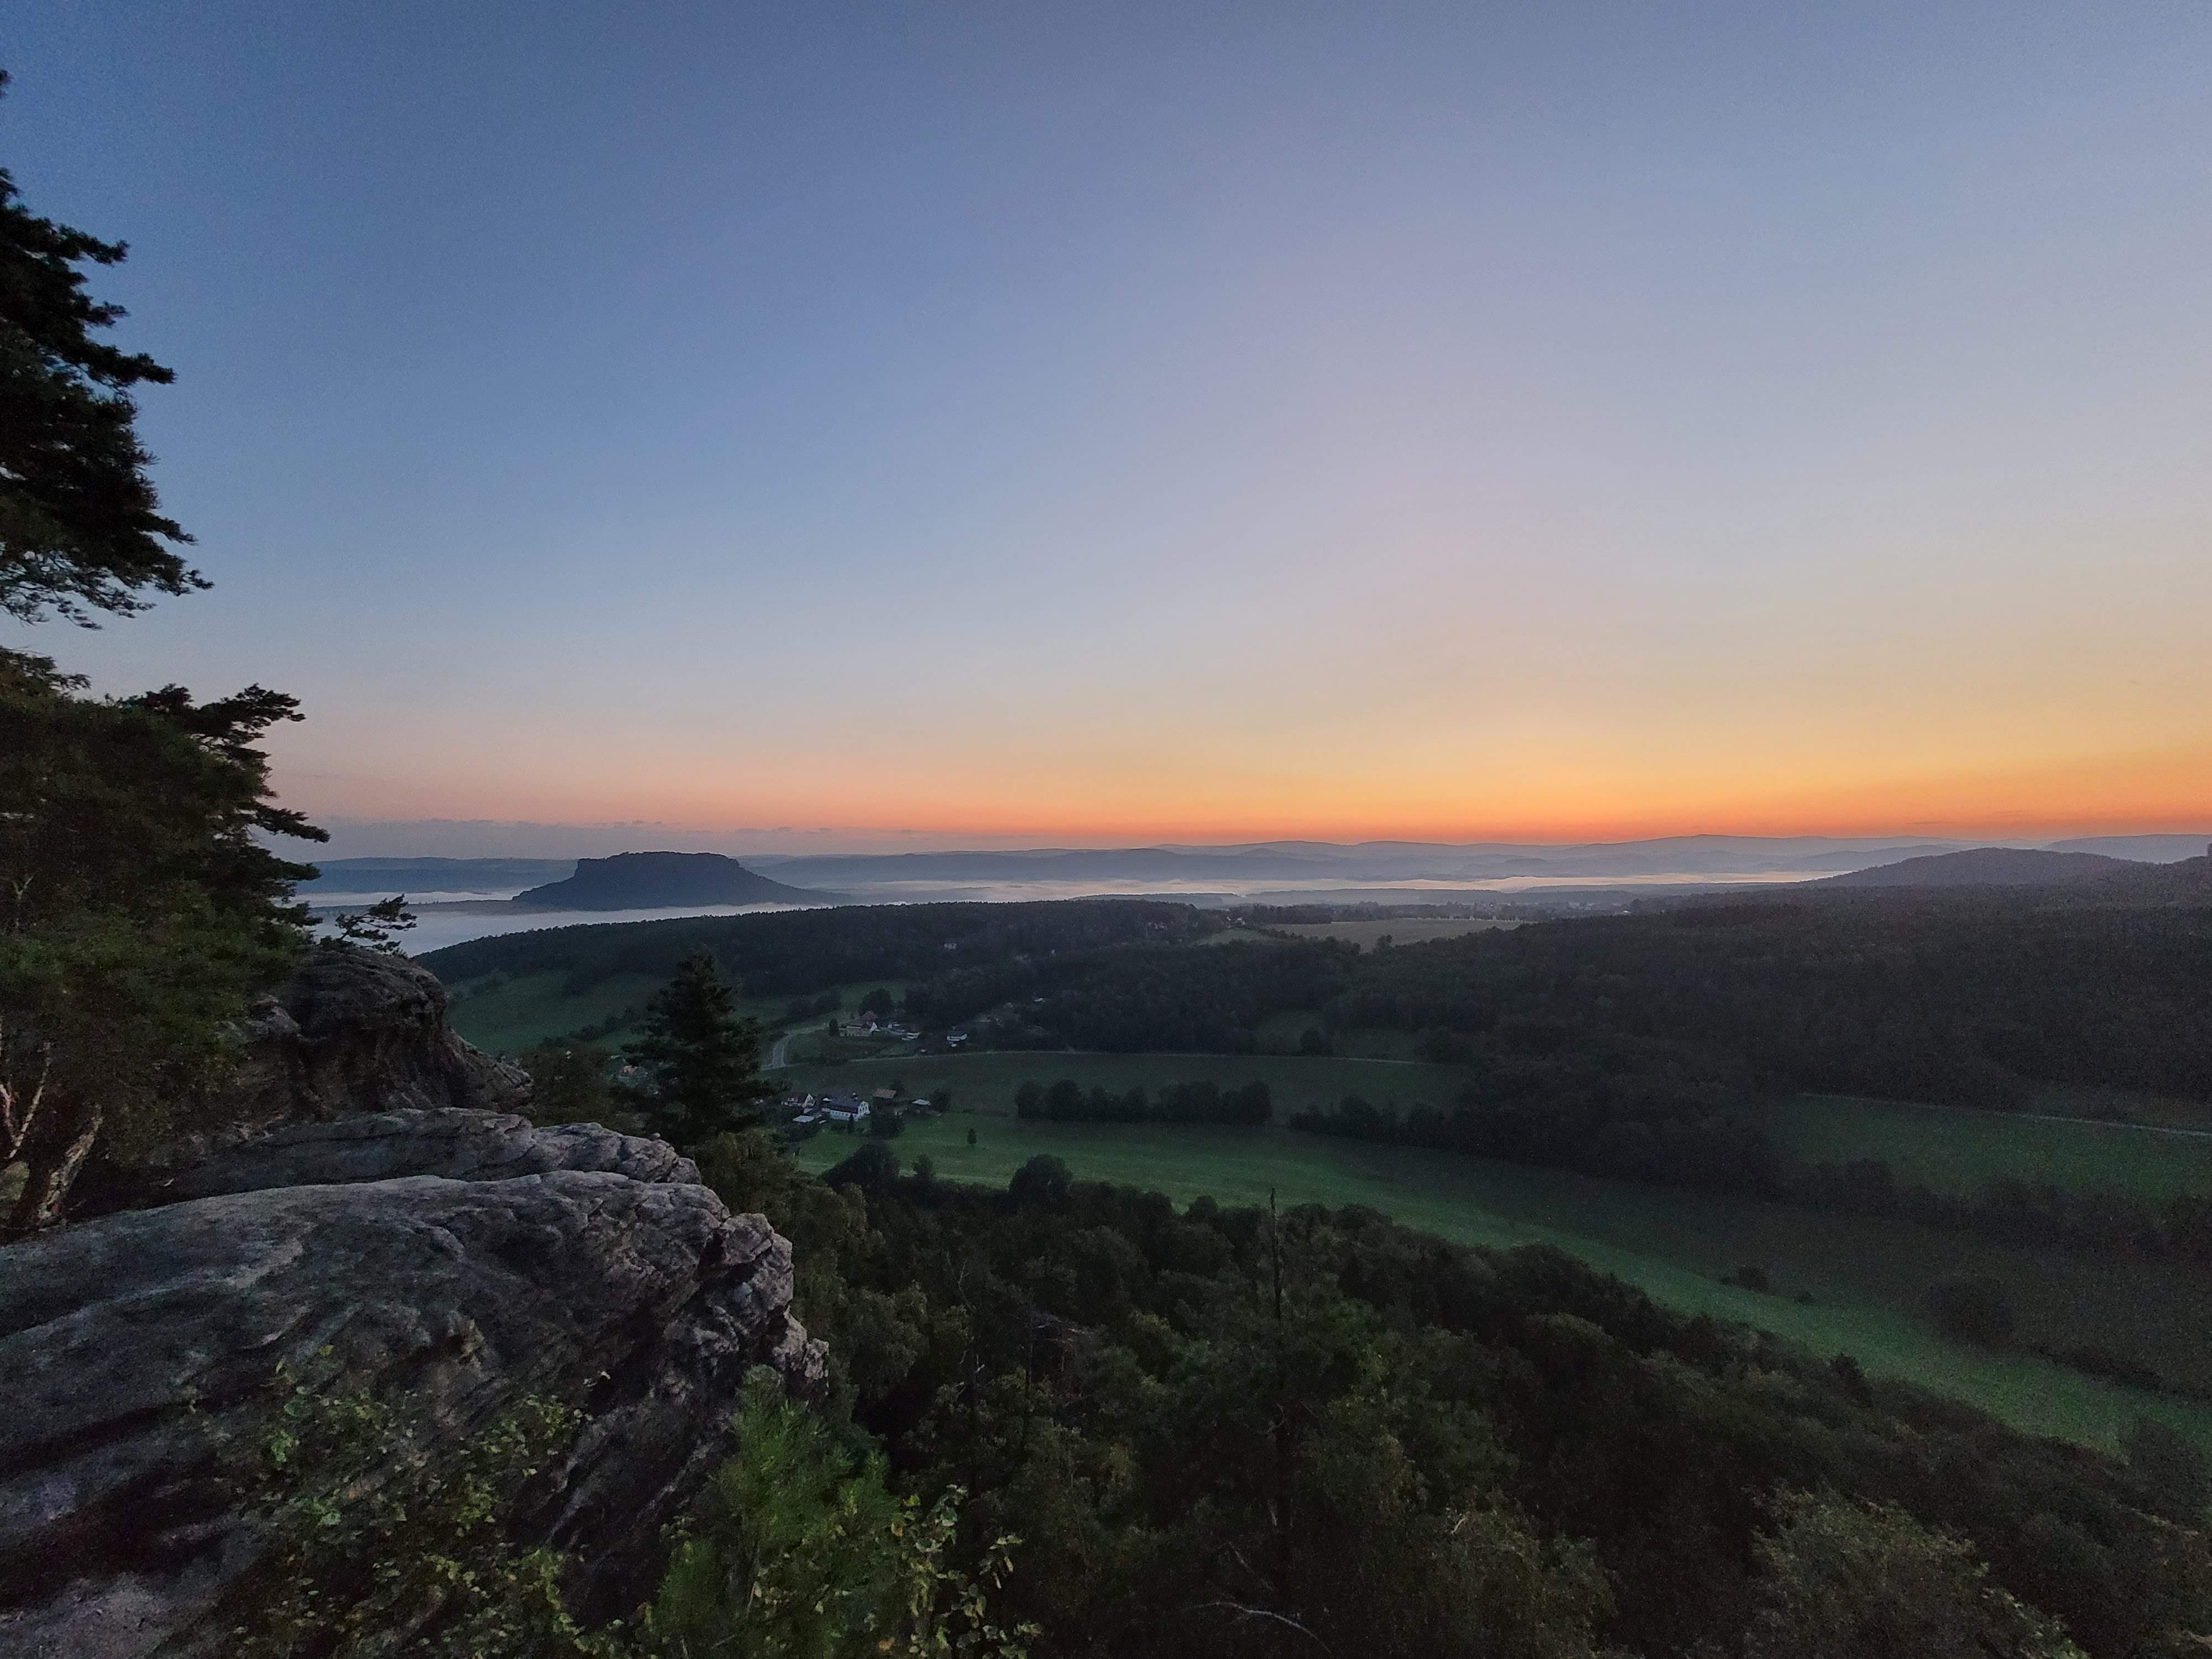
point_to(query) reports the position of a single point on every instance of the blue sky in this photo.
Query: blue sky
(1102, 422)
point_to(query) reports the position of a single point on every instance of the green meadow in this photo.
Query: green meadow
(1936, 1146)
(1948, 1149)
(1867, 1279)
(500, 1019)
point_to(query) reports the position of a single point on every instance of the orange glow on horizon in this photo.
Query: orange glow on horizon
(2161, 794)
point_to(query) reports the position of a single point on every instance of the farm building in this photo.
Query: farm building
(843, 1108)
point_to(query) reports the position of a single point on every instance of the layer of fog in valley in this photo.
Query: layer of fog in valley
(434, 929)
(482, 915)
(458, 899)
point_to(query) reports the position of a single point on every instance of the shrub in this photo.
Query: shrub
(1044, 1180)
(2170, 1464)
(1971, 1308)
(799, 1549)
(871, 1169)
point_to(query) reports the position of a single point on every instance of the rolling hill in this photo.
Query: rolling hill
(1988, 867)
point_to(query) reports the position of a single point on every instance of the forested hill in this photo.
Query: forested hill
(639, 881)
(1960, 999)
(1988, 867)
(2186, 883)
(2055, 877)
(1972, 998)
(793, 952)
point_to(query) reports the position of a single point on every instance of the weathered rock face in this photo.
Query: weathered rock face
(465, 1257)
(354, 1031)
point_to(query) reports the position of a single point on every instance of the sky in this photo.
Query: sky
(852, 426)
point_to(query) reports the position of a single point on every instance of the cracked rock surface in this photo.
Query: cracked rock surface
(351, 1032)
(462, 1256)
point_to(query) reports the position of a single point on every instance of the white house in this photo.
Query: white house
(844, 1109)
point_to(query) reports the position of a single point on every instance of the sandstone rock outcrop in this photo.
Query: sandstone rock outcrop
(463, 1257)
(352, 1031)
(454, 1145)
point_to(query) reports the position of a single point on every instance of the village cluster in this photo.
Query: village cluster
(865, 1024)
(844, 1111)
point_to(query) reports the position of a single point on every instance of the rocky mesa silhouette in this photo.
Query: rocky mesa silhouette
(644, 881)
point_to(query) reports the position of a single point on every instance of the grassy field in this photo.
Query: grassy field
(531, 1008)
(1954, 1150)
(1938, 1147)
(1410, 930)
(1867, 1278)
(985, 1083)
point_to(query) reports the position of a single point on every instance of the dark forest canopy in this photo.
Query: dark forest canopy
(794, 952)
(1194, 1417)
(1958, 998)
(1970, 999)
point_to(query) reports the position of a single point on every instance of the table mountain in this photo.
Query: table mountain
(648, 881)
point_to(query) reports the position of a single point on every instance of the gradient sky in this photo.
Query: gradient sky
(1110, 422)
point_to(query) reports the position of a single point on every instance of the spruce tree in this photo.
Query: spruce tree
(702, 1058)
(81, 528)
(141, 908)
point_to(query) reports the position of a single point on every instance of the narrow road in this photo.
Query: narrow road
(2172, 1129)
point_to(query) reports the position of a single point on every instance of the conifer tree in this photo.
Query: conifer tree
(702, 1058)
(141, 909)
(81, 528)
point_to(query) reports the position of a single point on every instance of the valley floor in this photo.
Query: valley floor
(1867, 1278)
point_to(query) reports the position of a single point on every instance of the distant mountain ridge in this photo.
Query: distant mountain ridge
(2061, 878)
(1275, 867)
(1990, 867)
(1683, 855)
(649, 881)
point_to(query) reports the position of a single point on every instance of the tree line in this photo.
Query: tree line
(1970, 1000)
(1677, 1130)
(801, 953)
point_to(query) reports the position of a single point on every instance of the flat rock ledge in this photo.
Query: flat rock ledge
(463, 1257)
(450, 1142)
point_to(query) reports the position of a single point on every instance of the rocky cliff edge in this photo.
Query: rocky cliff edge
(460, 1256)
